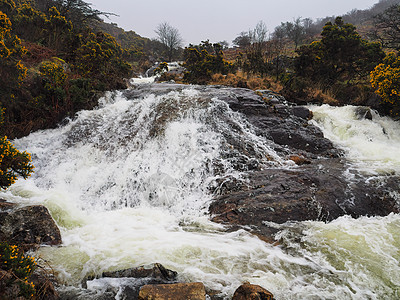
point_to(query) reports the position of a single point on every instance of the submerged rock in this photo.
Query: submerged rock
(124, 283)
(29, 227)
(363, 112)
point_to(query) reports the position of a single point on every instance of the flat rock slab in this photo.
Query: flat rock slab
(177, 291)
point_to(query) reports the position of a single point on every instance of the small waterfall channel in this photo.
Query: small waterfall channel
(130, 182)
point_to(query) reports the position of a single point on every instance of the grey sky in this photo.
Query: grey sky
(218, 20)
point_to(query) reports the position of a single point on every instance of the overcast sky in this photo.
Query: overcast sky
(218, 20)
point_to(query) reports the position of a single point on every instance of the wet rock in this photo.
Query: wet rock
(177, 291)
(282, 123)
(363, 112)
(299, 160)
(5, 206)
(29, 227)
(311, 192)
(155, 271)
(302, 112)
(249, 291)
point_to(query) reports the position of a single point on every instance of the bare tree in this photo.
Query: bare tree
(387, 27)
(169, 37)
(295, 31)
(255, 52)
(259, 35)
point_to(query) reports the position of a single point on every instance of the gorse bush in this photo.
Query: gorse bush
(20, 266)
(385, 80)
(204, 60)
(51, 66)
(12, 71)
(162, 67)
(13, 163)
(341, 55)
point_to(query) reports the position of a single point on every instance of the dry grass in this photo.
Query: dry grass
(316, 94)
(246, 81)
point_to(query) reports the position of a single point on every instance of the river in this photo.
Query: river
(129, 184)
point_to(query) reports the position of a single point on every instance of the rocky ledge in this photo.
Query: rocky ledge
(319, 188)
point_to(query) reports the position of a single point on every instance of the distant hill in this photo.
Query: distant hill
(362, 18)
(127, 39)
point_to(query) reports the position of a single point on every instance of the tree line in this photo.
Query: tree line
(336, 65)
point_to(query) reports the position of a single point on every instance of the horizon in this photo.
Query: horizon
(224, 21)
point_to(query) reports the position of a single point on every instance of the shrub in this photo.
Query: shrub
(20, 266)
(385, 79)
(13, 163)
(204, 60)
(162, 67)
(341, 55)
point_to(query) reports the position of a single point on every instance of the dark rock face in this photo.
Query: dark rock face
(29, 227)
(312, 192)
(316, 190)
(276, 120)
(249, 291)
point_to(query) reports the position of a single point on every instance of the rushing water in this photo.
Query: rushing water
(129, 184)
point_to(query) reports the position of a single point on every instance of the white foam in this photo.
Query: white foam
(371, 144)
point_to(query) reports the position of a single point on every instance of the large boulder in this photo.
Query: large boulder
(321, 187)
(29, 227)
(309, 192)
(249, 291)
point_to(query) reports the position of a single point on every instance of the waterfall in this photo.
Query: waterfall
(129, 184)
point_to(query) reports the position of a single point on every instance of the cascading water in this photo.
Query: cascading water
(372, 145)
(130, 182)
